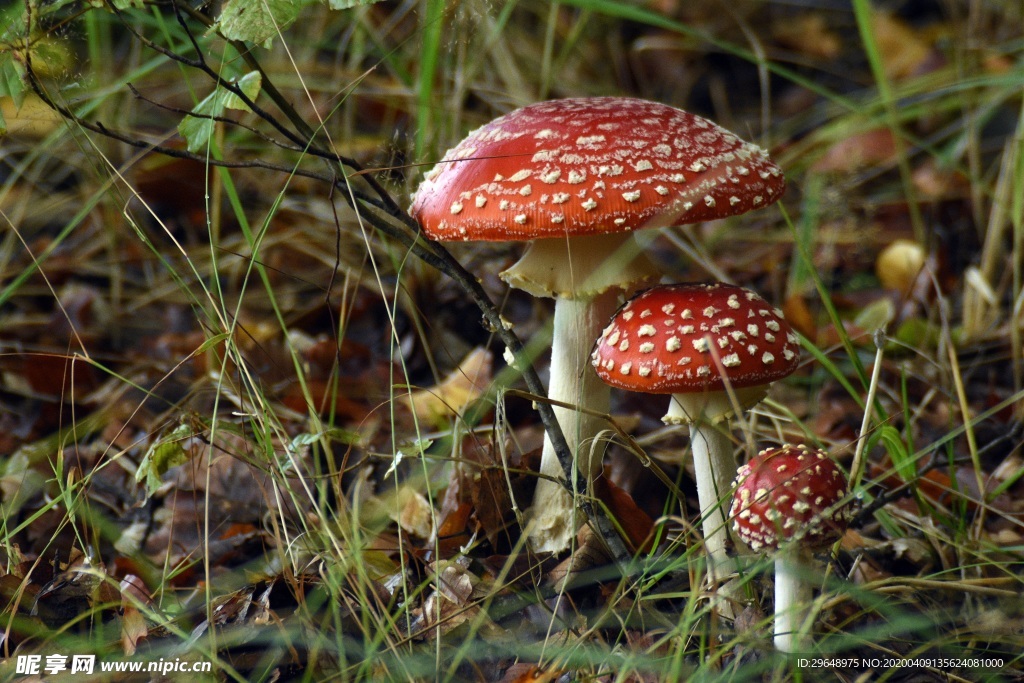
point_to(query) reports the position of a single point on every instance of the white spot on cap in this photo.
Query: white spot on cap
(710, 312)
(503, 205)
(677, 178)
(698, 167)
(731, 361)
(625, 368)
(526, 190)
(551, 176)
(643, 165)
(560, 198)
(576, 177)
(520, 218)
(631, 196)
(673, 344)
(480, 201)
(752, 330)
(662, 190)
(456, 208)
(767, 358)
(590, 141)
(590, 204)
(643, 370)
(709, 200)
(520, 176)
(734, 200)
(646, 347)
(646, 331)
(700, 344)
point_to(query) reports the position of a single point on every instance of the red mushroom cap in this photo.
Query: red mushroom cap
(675, 339)
(790, 492)
(592, 165)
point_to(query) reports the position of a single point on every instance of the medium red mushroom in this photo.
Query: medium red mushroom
(791, 499)
(576, 177)
(715, 348)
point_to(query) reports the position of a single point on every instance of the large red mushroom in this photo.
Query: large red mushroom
(715, 348)
(576, 177)
(790, 499)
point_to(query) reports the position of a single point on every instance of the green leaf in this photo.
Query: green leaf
(197, 129)
(249, 84)
(256, 21)
(901, 458)
(11, 84)
(166, 452)
(876, 315)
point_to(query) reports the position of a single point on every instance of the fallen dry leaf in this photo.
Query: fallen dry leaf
(461, 387)
(809, 35)
(869, 148)
(413, 512)
(903, 50)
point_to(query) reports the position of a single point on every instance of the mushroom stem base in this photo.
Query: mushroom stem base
(793, 597)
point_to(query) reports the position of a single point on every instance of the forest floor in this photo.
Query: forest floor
(245, 426)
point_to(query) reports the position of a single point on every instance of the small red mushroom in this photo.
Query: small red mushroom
(709, 345)
(792, 499)
(577, 177)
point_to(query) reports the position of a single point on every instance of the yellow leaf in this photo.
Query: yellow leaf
(33, 119)
(464, 385)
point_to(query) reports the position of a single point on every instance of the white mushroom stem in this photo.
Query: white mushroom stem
(714, 462)
(793, 598)
(715, 467)
(576, 325)
(586, 275)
